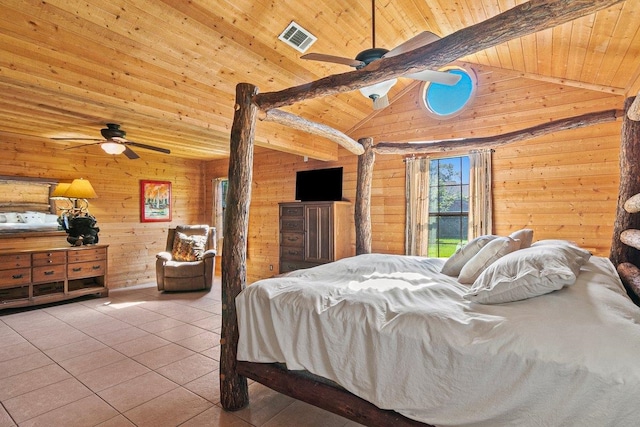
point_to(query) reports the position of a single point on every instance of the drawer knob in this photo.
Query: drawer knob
(48, 273)
(77, 269)
(96, 267)
(17, 276)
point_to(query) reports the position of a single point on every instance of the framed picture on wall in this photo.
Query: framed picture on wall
(155, 201)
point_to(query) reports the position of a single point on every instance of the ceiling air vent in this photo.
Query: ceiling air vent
(297, 37)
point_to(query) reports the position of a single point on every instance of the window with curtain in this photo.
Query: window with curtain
(448, 202)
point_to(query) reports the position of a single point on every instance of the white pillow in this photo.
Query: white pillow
(528, 273)
(492, 251)
(552, 242)
(454, 264)
(525, 236)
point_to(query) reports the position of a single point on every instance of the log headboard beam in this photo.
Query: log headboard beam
(524, 19)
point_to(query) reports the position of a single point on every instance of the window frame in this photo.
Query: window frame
(434, 247)
(426, 85)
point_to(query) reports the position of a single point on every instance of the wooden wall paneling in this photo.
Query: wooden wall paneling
(578, 166)
(562, 189)
(132, 244)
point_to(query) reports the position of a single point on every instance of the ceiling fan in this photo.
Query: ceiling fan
(378, 92)
(115, 142)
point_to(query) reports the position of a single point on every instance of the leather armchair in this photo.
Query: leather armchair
(173, 275)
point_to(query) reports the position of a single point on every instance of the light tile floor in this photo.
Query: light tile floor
(137, 358)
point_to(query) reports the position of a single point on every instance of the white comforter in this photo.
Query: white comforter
(396, 332)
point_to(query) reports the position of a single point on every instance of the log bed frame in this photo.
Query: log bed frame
(251, 106)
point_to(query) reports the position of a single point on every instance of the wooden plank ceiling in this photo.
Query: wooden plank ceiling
(167, 70)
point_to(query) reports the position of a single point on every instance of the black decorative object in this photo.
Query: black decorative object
(81, 229)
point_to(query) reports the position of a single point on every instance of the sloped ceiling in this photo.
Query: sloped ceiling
(167, 70)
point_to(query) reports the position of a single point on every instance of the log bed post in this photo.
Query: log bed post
(629, 186)
(624, 253)
(363, 197)
(234, 392)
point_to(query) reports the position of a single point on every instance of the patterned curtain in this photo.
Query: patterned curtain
(417, 209)
(480, 197)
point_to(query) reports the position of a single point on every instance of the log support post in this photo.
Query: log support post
(629, 186)
(363, 197)
(234, 392)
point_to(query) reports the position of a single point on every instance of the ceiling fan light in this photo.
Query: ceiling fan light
(378, 90)
(113, 147)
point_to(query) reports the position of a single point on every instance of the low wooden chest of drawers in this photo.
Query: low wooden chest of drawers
(39, 276)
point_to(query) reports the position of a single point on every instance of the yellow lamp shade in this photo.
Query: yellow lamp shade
(80, 189)
(60, 190)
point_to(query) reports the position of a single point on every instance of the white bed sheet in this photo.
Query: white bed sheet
(396, 332)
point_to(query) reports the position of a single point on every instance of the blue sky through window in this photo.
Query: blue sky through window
(445, 100)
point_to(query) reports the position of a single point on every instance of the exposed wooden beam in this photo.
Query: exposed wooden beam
(524, 19)
(314, 128)
(497, 140)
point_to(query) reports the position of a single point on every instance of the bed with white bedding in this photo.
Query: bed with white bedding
(400, 334)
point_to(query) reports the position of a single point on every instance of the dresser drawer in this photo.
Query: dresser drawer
(15, 277)
(49, 258)
(86, 269)
(287, 266)
(292, 211)
(295, 240)
(14, 261)
(292, 224)
(49, 273)
(87, 255)
(291, 253)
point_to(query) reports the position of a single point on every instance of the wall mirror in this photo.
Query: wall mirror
(26, 206)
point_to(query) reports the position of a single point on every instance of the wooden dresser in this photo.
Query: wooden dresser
(44, 275)
(314, 233)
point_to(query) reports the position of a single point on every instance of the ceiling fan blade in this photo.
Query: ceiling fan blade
(422, 39)
(381, 102)
(149, 147)
(130, 153)
(440, 77)
(84, 145)
(332, 58)
(76, 139)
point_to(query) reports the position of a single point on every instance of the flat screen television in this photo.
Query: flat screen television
(319, 185)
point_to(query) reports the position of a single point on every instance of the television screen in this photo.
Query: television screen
(319, 185)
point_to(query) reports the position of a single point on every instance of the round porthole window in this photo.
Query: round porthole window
(447, 101)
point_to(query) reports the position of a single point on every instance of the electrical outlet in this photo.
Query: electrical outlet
(270, 267)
